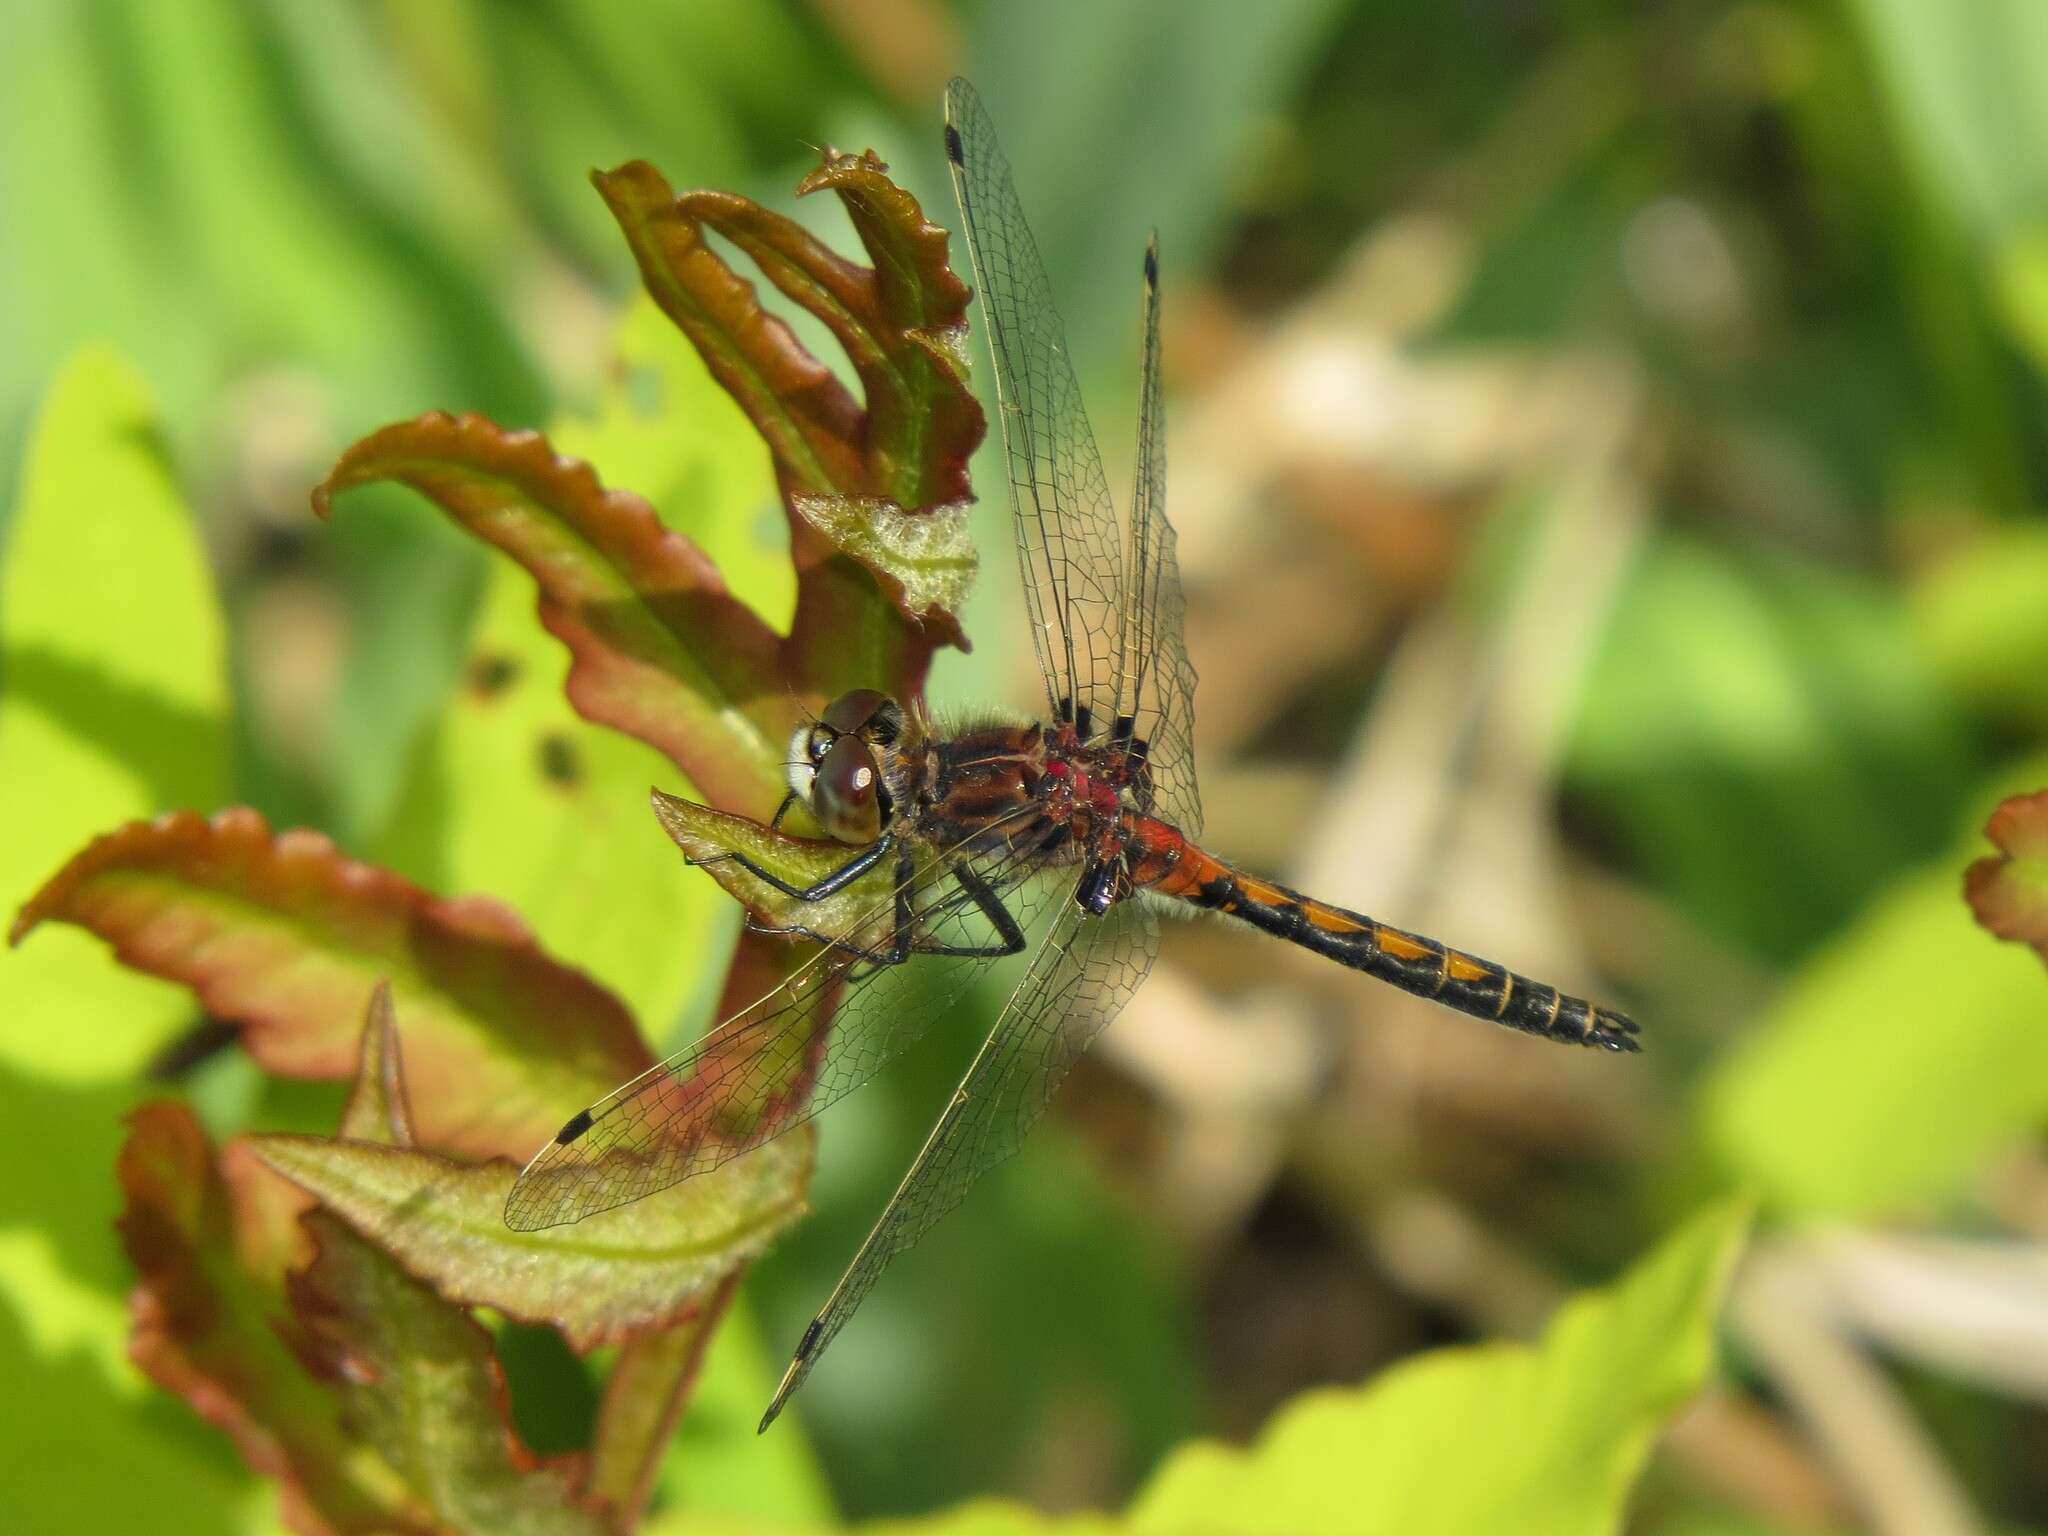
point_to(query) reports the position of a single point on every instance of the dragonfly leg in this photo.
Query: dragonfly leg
(1010, 933)
(831, 885)
(782, 810)
(983, 896)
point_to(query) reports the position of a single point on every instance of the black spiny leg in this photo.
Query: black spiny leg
(902, 946)
(782, 810)
(983, 896)
(831, 885)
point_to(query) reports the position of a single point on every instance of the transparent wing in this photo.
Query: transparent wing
(1069, 544)
(1158, 680)
(1105, 606)
(1080, 979)
(786, 1056)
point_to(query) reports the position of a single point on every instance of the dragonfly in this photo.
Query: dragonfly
(1064, 837)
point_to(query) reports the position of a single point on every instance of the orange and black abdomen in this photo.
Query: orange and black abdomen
(1408, 960)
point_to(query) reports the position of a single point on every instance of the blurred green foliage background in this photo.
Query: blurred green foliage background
(1609, 451)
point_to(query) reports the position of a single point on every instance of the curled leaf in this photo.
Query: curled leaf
(2009, 890)
(621, 1272)
(903, 325)
(860, 914)
(282, 934)
(421, 1387)
(811, 423)
(662, 650)
(206, 1327)
(925, 561)
(903, 321)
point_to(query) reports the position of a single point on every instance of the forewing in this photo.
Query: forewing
(1069, 544)
(1157, 681)
(1081, 977)
(780, 1060)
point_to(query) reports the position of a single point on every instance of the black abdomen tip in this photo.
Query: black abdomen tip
(578, 1124)
(954, 152)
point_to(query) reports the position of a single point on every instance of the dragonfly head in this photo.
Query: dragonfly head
(835, 769)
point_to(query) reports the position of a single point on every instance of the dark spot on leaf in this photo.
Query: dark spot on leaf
(559, 763)
(191, 1050)
(491, 675)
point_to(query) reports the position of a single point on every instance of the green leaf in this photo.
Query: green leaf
(641, 1266)
(1537, 1439)
(662, 650)
(600, 886)
(2009, 893)
(1895, 1058)
(423, 1389)
(1960, 80)
(113, 704)
(662, 425)
(285, 936)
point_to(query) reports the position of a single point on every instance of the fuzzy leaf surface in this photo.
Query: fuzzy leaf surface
(925, 561)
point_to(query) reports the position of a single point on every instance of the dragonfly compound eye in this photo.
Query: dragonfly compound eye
(852, 711)
(846, 794)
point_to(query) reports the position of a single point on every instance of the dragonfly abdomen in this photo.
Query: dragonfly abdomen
(1407, 960)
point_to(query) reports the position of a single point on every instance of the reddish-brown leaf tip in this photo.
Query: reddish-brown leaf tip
(811, 422)
(283, 934)
(661, 648)
(2009, 890)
